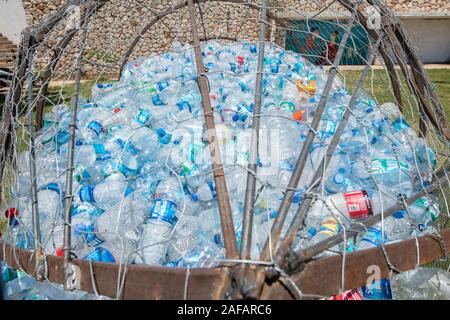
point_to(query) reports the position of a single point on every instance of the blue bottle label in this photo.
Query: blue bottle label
(162, 85)
(374, 236)
(87, 232)
(89, 209)
(401, 124)
(96, 127)
(184, 105)
(87, 194)
(143, 117)
(127, 171)
(81, 174)
(156, 99)
(100, 254)
(101, 153)
(380, 290)
(164, 210)
(62, 137)
(212, 187)
(53, 186)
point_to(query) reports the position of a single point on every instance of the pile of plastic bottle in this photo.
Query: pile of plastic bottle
(143, 185)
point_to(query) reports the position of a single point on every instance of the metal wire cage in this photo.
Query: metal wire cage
(99, 43)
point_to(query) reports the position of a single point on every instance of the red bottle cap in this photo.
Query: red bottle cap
(59, 252)
(11, 213)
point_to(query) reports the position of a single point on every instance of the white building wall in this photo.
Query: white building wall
(431, 38)
(12, 19)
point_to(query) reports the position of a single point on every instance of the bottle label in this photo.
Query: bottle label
(380, 166)
(101, 153)
(429, 206)
(401, 124)
(127, 171)
(96, 127)
(374, 236)
(157, 100)
(81, 174)
(380, 290)
(162, 85)
(143, 117)
(330, 227)
(358, 204)
(212, 187)
(189, 169)
(101, 255)
(87, 194)
(53, 186)
(184, 105)
(164, 210)
(62, 137)
(87, 232)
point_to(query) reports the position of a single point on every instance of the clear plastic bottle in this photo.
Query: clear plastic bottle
(163, 216)
(95, 125)
(117, 221)
(329, 228)
(106, 194)
(107, 252)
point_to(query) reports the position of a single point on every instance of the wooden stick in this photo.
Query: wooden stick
(223, 199)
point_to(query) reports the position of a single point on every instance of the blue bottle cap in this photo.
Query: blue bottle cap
(399, 214)
(194, 196)
(339, 179)
(160, 132)
(298, 196)
(312, 232)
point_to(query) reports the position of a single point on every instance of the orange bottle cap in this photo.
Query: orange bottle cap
(297, 115)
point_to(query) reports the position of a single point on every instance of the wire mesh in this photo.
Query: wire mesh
(114, 48)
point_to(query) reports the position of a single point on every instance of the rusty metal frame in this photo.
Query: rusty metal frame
(320, 277)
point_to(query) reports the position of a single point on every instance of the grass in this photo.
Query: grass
(378, 84)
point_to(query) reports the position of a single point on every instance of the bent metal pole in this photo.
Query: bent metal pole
(33, 175)
(226, 219)
(254, 143)
(70, 155)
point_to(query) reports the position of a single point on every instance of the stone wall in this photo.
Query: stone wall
(114, 27)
